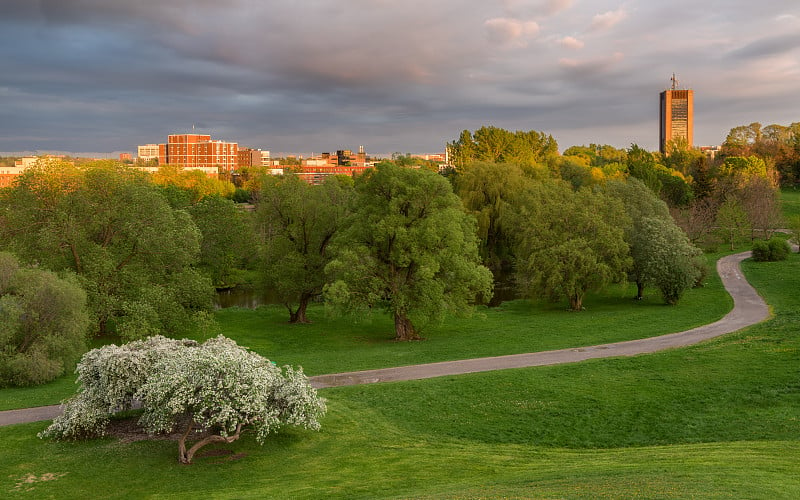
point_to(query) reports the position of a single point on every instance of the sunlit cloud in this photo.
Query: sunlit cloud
(507, 31)
(608, 19)
(571, 43)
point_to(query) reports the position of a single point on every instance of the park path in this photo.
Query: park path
(748, 309)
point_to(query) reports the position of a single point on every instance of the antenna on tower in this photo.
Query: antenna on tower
(674, 82)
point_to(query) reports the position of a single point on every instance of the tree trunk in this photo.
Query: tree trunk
(403, 328)
(639, 290)
(186, 457)
(299, 316)
(576, 302)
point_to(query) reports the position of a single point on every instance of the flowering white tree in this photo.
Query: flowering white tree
(217, 387)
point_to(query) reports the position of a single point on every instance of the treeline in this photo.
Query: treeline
(122, 253)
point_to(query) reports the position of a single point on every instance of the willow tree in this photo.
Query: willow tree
(297, 222)
(409, 248)
(133, 253)
(570, 242)
(491, 192)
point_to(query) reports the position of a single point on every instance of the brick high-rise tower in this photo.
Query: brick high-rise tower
(676, 120)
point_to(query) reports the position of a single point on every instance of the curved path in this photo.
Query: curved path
(748, 309)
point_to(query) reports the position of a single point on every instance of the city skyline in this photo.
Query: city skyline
(106, 75)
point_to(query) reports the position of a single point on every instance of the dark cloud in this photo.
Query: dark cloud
(321, 74)
(768, 46)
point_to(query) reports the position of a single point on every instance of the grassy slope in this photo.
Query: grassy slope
(717, 420)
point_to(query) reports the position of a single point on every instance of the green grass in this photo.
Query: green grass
(332, 345)
(790, 202)
(716, 420)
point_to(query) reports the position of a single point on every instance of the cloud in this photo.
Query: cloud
(607, 20)
(587, 68)
(507, 31)
(571, 43)
(767, 46)
(555, 6)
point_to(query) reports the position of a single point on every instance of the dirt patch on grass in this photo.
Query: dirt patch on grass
(127, 430)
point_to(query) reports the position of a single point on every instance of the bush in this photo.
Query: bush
(43, 324)
(770, 251)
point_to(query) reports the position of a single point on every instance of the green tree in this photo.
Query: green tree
(217, 387)
(665, 258)
(640, 204)
(570, 242)
(733, 225)
(409, 248)
(491, 192)
(43, 324)
(298, 222)
(528, 149)
(133, 253)
(228, 243)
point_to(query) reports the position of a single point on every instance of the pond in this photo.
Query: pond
(245, 297)
(250, 298)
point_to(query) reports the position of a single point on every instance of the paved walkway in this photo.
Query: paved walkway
(748, 309)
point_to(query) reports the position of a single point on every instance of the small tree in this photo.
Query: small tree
(217, 387)
(43, 324)
(733, 224)
(667, 259)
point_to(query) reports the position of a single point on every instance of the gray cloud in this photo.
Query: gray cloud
(396, 76)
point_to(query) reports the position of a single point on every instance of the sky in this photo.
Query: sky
(311, 76)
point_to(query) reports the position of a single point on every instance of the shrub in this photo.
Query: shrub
(778, 249)
(770, 251)
(43, 324)
(761, 252)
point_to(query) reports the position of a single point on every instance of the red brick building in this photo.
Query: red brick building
(199, 152)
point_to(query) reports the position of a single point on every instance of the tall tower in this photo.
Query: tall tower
(676, 120)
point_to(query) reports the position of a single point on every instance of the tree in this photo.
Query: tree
(217, 387)
(227, 242)
(496, 145)
(640, 204)
(570, 242)
(297, 222)
(491, 192)
(194, 183)
(43, 323)
(133, 253)
(665, 258)
(732, 222)
(761, 202)
(409, 248)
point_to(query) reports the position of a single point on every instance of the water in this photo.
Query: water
(245, 297)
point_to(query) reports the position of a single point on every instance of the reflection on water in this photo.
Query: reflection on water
(244, 297)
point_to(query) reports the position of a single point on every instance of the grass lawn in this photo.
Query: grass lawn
(717, 420)
(790, 201)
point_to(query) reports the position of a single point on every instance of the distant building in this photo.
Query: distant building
(147, 152)
(199, 152)
(125, 156)
(343, 162)
(253, 158)
(676, 120)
